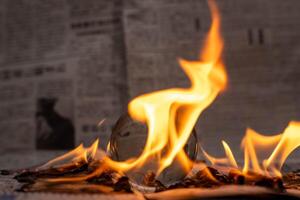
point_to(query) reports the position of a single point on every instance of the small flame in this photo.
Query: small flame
(289, 141)
(283, 144)
(229, 160)
(78, 155)
(255, 144)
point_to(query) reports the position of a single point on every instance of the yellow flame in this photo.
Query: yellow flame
(254, 144)
(229, 160)
(289, 141)
(280, 147)
(229, 154)
(92, 150)
(171, 114)
(78, 155)
(283, 145)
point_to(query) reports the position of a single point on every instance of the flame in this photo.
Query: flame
(282, 144)
(229, 160)
(289, 141)
(171, 114)
(255, 144)
(78, 155)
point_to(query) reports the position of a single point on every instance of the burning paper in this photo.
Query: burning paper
(171, 115)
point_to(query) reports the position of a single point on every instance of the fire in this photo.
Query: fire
(228, 160)
(77, 155)
(254, 144)
(284, 143)
(171, 115)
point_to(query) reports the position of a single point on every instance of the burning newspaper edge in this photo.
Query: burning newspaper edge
(170, 116)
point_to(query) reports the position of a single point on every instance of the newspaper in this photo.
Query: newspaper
(61, 72)
(157, 34)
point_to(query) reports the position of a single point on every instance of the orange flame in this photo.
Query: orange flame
(77, 155)
(254, 144)
(229, 160)
(289, 141)
(172, 114)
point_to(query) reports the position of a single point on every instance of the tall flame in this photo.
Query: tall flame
(171, 114)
